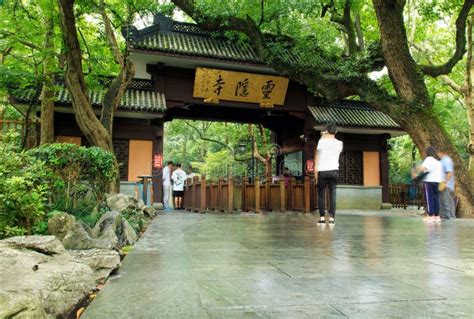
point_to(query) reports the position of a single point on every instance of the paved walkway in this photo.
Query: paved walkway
(285, 266)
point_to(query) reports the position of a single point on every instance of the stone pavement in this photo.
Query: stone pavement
(370, 265)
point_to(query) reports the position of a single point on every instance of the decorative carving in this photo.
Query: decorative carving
(121, 152)
(351, 168)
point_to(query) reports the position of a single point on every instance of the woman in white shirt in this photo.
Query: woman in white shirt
(327, 169)
(433, 167)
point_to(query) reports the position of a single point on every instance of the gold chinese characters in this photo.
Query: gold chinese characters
(213, 85)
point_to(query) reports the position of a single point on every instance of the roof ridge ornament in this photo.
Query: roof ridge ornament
(165, 23)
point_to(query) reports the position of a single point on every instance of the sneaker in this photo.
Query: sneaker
(437, 219)
(331, 221)
(428, 219)
(322, 221)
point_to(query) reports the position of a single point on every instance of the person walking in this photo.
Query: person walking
(432, 166)
(327, 154)
(167, 185)
(179, 178)
(447, 206)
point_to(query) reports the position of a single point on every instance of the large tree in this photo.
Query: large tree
(98, 131)
(294, 26)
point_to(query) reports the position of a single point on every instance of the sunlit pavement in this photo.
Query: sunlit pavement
(370, 265)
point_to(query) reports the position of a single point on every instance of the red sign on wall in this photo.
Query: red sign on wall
(310, 166)
(158, 161)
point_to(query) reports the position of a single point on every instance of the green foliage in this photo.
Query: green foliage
(80, 172)
(23, 192)
(54, 177)
(211, 148)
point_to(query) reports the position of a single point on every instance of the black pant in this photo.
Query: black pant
(327, 179)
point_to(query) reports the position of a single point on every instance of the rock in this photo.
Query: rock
(101, 261)
(114, 228)
(60, 224)
(121, 202)
(78, 239)
(74, 234)
(158, 206)
(20, 305)
(48, 245)
(57, 279)
(149, 212)
(140, 204)
(129, 235)
(86, 227)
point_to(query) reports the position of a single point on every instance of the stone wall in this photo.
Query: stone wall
(359, 197)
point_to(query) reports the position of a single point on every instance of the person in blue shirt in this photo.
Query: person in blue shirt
(446, 196)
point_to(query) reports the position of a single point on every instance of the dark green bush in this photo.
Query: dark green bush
(84, 174)
(52, 177)
(24, 186)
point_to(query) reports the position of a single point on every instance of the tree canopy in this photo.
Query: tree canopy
(403, 57)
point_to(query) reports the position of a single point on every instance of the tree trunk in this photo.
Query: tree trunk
(469, 94)
(113, 96)
(360, 34)
(425, 130)
(47, 93)
(88, 122)
(416, 114)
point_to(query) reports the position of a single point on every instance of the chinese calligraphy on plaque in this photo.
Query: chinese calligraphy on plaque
(215, 85)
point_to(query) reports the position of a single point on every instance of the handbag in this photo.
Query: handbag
(329, 174)
(442, 186)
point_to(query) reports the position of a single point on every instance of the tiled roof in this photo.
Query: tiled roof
(138, 100)
(198, 45)
(348, 113)
(172, 37)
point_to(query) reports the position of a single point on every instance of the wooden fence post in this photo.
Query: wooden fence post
(282, 196)
(202, 201)
(244, 194)
(219, 194)
(268, 193)
(257, 194)
(291, 191)
(195, 204)
(230, 206)
(307, 195)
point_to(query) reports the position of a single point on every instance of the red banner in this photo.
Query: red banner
(310, 166)
(158, 161)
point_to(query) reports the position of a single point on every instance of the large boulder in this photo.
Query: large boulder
(78, 239)
(60, 224)
(149, 212)
(114, 228)
(121, 202)
(75, 234)
(48, 245)
(36, 266)
(101, 261)
(19, 305)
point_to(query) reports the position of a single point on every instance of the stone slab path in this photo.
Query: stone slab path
(370, 265)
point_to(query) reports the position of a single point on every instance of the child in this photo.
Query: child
(432, 166)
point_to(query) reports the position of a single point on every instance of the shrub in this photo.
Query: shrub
(62, 177)
(23, 192)
(84, 173)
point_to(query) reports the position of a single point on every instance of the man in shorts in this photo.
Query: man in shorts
(179, 178)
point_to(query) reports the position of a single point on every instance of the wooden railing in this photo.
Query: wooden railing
(228, 195)
(404, 195)
(7, 125)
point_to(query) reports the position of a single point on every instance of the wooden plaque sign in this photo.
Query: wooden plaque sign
(214, 85)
